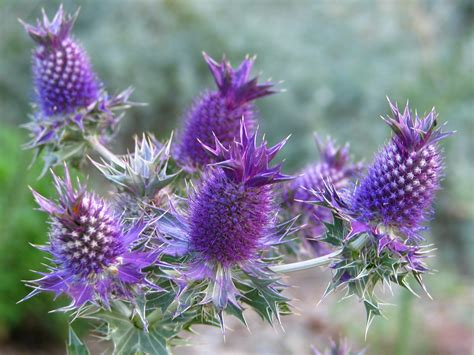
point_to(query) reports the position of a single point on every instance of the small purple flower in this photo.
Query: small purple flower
(400, 186)
(92, 252)
(63, 75)
(335, 167)
(219, 112)
(231, 217)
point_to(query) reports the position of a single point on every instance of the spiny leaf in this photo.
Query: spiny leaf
(74, 345)
(334, 232)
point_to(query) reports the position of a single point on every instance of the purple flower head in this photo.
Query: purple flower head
(63, 75)
(71, 104)
(333, 166)
(400, 186)
(377, 226)
(231, 217)
(233, 211)
(219, 112)
(92, 252)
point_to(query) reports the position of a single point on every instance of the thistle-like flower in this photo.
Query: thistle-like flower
(93, 254)
(400, 186)
(219, 112)
(231, 220)
(385, 213)
(63, 75)
(334, 166)
(70, 101)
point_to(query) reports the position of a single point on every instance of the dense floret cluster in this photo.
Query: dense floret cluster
(218, 113)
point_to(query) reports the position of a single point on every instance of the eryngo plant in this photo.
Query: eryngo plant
(170, 250)
(93, 253)
(378, 223)
(71, 104)
(230, 222)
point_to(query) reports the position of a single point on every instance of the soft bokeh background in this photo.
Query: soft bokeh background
(338, 60)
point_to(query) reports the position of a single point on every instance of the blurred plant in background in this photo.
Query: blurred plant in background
(338, 60)
(20, 223)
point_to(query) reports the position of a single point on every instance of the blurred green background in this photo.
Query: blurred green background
(338, 60)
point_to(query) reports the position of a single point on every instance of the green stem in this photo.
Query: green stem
(306, 264)
(404, 323)
(103, 151)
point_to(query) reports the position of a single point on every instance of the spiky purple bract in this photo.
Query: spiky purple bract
(400, 186)
(63, 75)
(333, 166)
(219, 112)
(91, 249)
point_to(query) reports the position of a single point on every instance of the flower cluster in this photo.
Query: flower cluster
(193, 230)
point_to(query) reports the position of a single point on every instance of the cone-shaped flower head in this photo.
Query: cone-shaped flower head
(334, 166)
(91, 250)
(72, 105)
(63, 75)
(377, 227)
(400, 186)
(233, 211)
(231, 218)
(219, 112)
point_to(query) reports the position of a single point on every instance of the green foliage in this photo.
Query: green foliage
(20, 225)
(74, 345)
